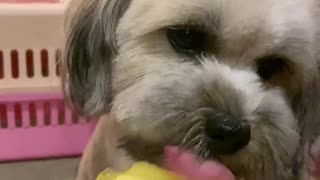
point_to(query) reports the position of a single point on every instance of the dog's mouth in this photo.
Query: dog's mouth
(184, 163)
(194, 143)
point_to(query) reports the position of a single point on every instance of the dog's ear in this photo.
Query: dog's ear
(89, 51)
(306, 106)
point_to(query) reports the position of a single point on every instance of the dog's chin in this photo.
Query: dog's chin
(267, 156)
(240, 165)
(154, 153)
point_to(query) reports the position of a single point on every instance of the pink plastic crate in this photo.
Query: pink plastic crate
(29, 1)
(35, 123)
(39, 125)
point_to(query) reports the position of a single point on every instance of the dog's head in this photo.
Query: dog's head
(229, 80)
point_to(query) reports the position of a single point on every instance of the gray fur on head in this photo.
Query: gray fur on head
(90, 49)
(120, 53)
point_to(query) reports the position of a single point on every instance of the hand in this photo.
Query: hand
(189, 166)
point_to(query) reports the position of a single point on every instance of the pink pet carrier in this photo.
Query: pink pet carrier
(34, 121)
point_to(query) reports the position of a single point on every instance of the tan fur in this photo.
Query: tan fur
(102, 150)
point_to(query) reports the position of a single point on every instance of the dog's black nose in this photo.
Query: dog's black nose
(226, 135)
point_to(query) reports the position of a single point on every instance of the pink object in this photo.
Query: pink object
(314, 166)
(188, 165)
(38, 125)
(34, 120)
(29, 1)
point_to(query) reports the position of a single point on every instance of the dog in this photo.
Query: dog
(234, 81)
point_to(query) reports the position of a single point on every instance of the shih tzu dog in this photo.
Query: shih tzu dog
(234, 81)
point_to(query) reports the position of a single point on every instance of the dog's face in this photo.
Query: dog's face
(223, 79)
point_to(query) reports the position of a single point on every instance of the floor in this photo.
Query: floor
(63, 169)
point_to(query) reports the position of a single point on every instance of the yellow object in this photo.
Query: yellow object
(140, 171)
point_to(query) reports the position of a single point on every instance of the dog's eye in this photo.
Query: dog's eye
(269, 66)
(186, 39)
